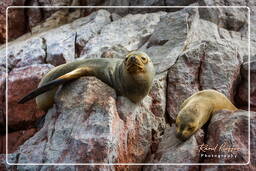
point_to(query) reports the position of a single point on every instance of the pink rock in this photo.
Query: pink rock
(172, 150)
(21, 81)
(242, 95)
(183, 79)
(226, 132)
(200, 68)
(107, 132)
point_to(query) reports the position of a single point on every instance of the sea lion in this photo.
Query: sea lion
(131, 77)
(197, 110)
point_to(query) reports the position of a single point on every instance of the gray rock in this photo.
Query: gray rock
(183, 79)
(89, 27)
(21, 54)
(229, 18)
(163, 46)
(203, 67)
(129, 32)
(60, 46)
(173, 151)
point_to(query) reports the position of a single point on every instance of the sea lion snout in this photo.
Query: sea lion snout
(180, 136)
(135, 62)
(133, 58)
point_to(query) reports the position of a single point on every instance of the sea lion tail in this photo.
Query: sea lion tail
(54, 83)
(41, 90)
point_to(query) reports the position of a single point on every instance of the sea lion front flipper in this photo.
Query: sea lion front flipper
(79, 72)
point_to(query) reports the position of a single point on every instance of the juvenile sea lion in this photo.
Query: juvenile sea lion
(197, 110)
(131, 77)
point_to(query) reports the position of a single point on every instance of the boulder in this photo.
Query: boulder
(190, 51)
(122, 33)
(15, 139)
(16, 20)
(242, 95)
(228, 134)
(111, 129)
(229, 18)
(21, 81)
(21, 54)
(173, 151)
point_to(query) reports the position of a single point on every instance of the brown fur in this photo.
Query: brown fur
(197, 110)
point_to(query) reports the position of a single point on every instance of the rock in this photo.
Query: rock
(23, 115)
(21, 54)
(2, 102)
(15, 139)
(104, 126)
(201, 68)
(179, 3)
(220, 58)
(34, 15)
(16, 19)
(183, 73)
(190, 51)
(229, 18)
(122, 33)
(144, 123)
(171, 150)
(163, 46)
(89, 27)
(252, 137)
(60, 46)
(242, 96)
(228, 132)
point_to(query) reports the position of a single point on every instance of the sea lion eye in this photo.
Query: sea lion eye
(144, 59)
(190, 128)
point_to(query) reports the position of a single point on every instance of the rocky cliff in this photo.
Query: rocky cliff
(192, 49)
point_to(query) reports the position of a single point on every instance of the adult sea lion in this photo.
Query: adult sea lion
(197, 110)
(131, 77)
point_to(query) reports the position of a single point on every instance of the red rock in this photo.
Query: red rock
(183, 80)
(2, 102)
(16, 23)
(15, 139)
(21, 81)
(242, 95)
(230, 130)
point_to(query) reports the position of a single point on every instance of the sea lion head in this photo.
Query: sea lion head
(137, 74)
(186, 124)
(138, 62)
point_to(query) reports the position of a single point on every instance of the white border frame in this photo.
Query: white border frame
(137, 164)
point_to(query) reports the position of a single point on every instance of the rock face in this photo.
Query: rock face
(103, 127)
(192, 49)
(172, 150)
(20, 82)
(243, 88)
(229, 132)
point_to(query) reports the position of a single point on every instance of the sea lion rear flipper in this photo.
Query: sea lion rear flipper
(60, 80)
